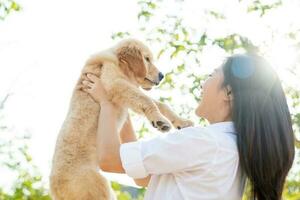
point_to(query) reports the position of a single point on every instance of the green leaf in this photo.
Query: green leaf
(178, 48)
(145, 14)
(151, 5)
(160, 53)
(15, 6)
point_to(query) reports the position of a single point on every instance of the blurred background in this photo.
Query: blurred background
(44, 44)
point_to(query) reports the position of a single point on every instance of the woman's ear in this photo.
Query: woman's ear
(228, 93)
(134, 58)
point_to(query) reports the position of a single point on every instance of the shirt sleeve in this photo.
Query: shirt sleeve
(183, 150)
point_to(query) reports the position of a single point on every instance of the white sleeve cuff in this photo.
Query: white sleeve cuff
(132, 161)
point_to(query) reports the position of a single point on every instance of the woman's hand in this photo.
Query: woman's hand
(94, 87)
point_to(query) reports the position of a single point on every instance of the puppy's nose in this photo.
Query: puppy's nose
(160, 76)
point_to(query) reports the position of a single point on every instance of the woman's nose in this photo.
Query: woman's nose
(201, 84)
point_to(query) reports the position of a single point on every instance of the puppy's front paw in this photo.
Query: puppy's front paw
(182, 123)
(161, 123)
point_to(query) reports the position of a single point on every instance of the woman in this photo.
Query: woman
(250, 133)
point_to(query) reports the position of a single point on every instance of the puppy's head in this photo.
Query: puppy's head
(136, 61)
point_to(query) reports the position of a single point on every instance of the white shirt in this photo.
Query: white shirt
(191, 163)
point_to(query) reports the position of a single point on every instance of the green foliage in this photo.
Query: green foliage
(292, 190)
(262, 8)
(146, 9)
(119, 35)
(127, 193)
(232, 42)
(14, 157)
(7, 7)
(142, 131)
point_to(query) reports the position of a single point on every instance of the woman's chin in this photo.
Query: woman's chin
(198, 111)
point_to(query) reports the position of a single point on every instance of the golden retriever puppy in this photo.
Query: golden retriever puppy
(123, 69)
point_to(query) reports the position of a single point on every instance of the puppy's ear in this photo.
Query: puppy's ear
(134, 58)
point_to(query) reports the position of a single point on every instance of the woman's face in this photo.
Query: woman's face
(215, 102)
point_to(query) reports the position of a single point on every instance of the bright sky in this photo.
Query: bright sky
(43, 48)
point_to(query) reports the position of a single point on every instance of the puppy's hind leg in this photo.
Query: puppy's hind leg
(88, 184)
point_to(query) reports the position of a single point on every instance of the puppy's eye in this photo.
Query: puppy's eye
(148, 59)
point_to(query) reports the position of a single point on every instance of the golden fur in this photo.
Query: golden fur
(122, 69)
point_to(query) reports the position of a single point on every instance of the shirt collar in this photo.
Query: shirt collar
(227, 126)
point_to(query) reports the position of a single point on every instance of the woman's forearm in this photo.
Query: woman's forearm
(127, 135)
(108, 142)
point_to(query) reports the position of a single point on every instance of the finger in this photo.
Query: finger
(85, 78)
(84, 86)
(92, 77)
(79, 87)
(88, 83)
(86, 89)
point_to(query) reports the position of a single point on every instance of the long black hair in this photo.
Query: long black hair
(263, 123)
